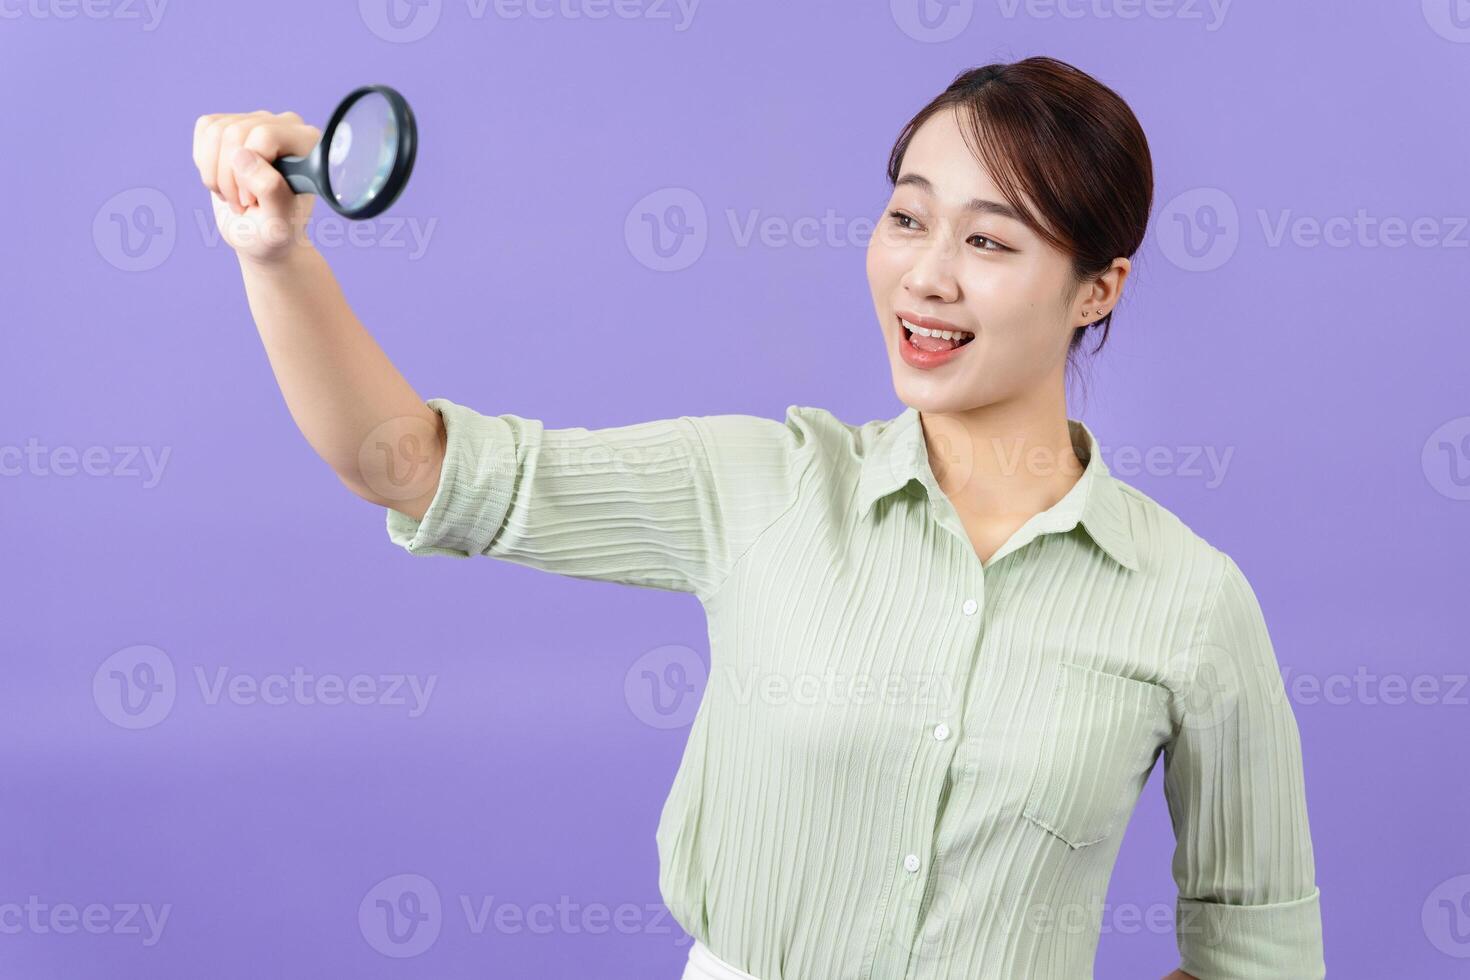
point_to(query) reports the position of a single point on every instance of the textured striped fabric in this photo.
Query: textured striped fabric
(908, 763)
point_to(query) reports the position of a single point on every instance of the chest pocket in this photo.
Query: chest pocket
(1098, 741)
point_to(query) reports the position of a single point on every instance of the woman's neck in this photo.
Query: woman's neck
(1002, 460)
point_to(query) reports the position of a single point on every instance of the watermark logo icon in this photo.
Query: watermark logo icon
(396, 458)
(667, 229)
(932, 21)
(1199, 229)
(1446, 917)
(1210, 684)
(663, 686)
(400, 21)
(1446, 458)
(1450, 19)
(135, 687)
(925, 921)
(135, 230)
(401, 915)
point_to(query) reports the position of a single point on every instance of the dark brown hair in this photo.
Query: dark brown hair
(1052, 134)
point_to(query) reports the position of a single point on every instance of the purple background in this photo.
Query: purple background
(1331, 369)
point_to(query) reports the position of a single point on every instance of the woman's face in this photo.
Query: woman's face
(976, 268)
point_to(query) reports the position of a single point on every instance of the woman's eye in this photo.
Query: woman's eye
(899, 218)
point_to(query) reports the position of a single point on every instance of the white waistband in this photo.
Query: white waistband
(705, 965)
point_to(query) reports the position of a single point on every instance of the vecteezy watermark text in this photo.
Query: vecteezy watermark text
(121, 462)
(406, 21)
(136, 687)
(148, 12)
(39, 918)
(404, 914)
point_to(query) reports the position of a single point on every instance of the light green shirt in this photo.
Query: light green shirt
(907, 764)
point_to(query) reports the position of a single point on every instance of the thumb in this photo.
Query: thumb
(256, 175)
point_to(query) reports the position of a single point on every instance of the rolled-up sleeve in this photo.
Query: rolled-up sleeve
(1248, 902)
(667, 504)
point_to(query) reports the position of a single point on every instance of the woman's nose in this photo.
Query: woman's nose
(932, 272)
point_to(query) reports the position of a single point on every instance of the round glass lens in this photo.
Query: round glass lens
(363, 148)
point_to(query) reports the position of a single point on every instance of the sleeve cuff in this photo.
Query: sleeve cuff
(475, 487)
(1251, 942)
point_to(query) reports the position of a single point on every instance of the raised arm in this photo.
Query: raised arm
(671, 503)
(668, 504)
(349, 401)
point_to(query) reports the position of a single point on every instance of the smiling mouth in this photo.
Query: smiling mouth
(908, 335)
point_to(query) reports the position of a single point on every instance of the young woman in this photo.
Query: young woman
(947, 648)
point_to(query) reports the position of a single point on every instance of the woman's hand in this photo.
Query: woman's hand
(258, 214)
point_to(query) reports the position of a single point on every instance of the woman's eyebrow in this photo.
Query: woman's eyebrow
(976, 204)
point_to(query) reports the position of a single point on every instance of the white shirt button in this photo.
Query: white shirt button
(911, 863)
(970, 606)
(941, 731)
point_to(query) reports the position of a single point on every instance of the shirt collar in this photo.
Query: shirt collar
(899, 457)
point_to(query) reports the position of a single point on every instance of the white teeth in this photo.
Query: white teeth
(945, 334)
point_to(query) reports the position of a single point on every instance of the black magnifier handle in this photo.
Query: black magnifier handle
(298, 171)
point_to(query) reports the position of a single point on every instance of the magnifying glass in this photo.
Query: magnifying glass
(362, 162)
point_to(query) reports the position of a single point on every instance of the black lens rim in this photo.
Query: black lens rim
(402, 162)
